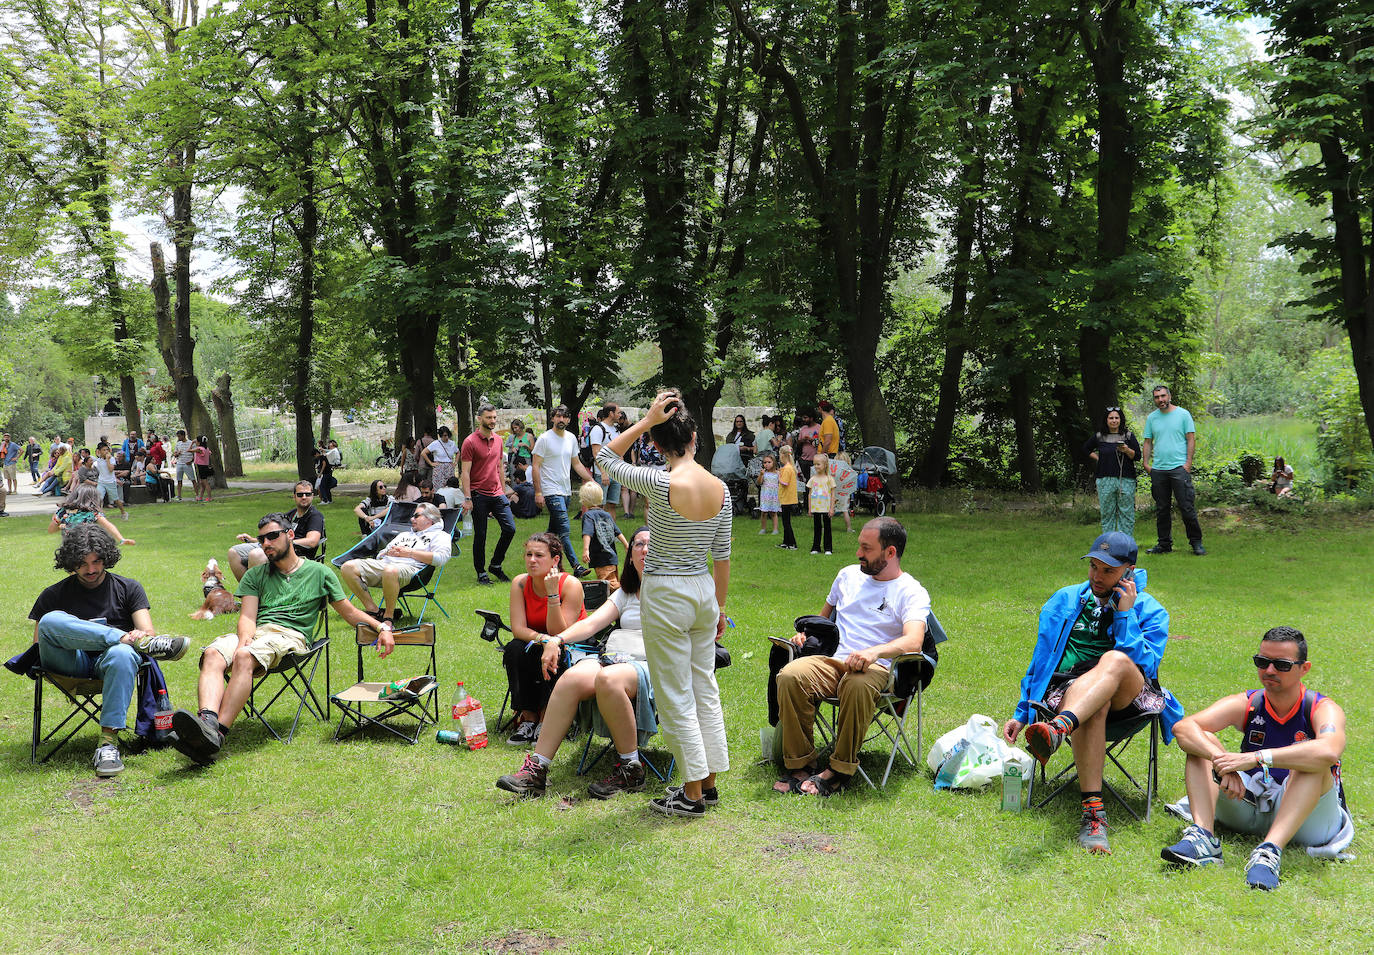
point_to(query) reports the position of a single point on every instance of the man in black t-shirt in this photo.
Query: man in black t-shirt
(92, 625)
(309, 530)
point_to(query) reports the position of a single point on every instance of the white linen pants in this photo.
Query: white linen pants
(679, 616)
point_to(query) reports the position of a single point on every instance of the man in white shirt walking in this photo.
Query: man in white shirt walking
(555, 457)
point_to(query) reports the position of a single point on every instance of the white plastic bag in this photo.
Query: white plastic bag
(980, 755)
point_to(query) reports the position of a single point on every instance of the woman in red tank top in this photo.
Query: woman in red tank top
(544, 601)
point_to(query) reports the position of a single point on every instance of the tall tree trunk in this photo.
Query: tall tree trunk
(326, 412)
(223, 400)
(176, 347)
(307, 236)
(1106, 49)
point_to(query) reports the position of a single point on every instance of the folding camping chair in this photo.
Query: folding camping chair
(426, 581)
(1120, 733)
(908, 677)
(297, 671)
(81, 692)
(594, 594)
(420, 703)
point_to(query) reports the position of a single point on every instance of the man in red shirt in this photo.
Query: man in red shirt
(484, 493)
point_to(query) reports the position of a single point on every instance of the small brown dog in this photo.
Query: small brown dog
(218, 600)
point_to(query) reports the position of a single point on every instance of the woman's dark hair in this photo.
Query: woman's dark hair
(203, 441)
(1103, 429)
(80, 540)
(550, 541)
(372, 495)
(675, 435)
(1280, 463)
(629, 576)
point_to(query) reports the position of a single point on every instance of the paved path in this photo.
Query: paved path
(26, 503)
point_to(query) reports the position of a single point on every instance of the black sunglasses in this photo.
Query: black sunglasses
(1114, 408)
(269, 536)
(305, 493)
(1283, 666)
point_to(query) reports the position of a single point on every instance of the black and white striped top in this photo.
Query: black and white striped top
(677, 546)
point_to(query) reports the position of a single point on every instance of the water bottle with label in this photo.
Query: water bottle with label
(472, 722)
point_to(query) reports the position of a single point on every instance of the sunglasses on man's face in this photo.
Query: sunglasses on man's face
(269, 536)
(305, 493)
(1263, 663)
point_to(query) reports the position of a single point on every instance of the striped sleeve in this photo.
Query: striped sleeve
(720, 544)
(638, 479)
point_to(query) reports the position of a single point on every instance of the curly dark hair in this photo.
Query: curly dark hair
(80, 540)
(675, 435)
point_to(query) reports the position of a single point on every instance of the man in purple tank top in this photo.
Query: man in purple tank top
(1284, 784)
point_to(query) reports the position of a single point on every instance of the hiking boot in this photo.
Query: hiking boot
(107, 761)
(164, 648)
(1262, 871)
(196, 737)
(496, 571)
(525, 734)
(677, 804)
(1160, 549)
(1198, 847)
(1042, 740)
(1199, 549)
(529, 780)
(1092, 833)
(627, 778)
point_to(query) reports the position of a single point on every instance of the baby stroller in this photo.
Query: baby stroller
(876, 467)
(727, 465)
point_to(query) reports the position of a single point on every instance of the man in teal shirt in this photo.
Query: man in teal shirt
(1170, 440)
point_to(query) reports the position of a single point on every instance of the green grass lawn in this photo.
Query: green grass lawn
(1291, 438)
(373, 846)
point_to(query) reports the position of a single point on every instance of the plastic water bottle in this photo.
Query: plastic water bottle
(472, 722)
(467, 523)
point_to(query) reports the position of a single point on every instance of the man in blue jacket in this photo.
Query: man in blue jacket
(1096, 657)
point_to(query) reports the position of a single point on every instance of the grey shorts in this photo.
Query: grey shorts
(1318, 829)
(186, 470)
(245, 550)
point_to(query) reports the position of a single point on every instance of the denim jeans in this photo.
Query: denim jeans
(1179, 483)
(558, 524)
(91, 650)
(482, 505)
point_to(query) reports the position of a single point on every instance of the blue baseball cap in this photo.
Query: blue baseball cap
(1113, 548)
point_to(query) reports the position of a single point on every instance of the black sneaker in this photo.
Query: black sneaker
(195, 738)
(580, 571)
(710, 796)
(496, 571)
(1161, 549)
(484, 580)
(1198, 548)
(677, 804)
(627, 778)
(529, 780)
(526, 734)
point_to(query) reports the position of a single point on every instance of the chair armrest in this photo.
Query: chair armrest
(787, 645)
(898, 661)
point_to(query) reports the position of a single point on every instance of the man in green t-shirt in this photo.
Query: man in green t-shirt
(279, 604)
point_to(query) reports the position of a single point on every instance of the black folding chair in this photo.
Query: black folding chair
(1120, 733)
(297, 671)
(421, 703)
(908, 677)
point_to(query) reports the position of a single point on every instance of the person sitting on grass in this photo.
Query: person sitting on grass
(93, 624)
(618, 680)
(544, 602)
(280, 601)
(599, 536)
(308, 527)
(82, 506)
(881, 613)
(425, 543)
(1285, 782)
(1096, 659)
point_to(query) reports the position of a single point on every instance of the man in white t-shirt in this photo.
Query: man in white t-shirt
(555, 456)
(881, 613)
(183, 454)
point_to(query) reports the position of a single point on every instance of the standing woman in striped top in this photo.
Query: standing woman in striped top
(682, 595)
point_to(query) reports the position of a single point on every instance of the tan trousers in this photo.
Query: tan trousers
(806, 680)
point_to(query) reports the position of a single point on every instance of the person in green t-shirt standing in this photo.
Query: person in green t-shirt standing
(279, 603)
(1170, 440)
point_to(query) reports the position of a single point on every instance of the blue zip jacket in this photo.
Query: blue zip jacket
(1141, 633)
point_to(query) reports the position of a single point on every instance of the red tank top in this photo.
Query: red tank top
(537, 607)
